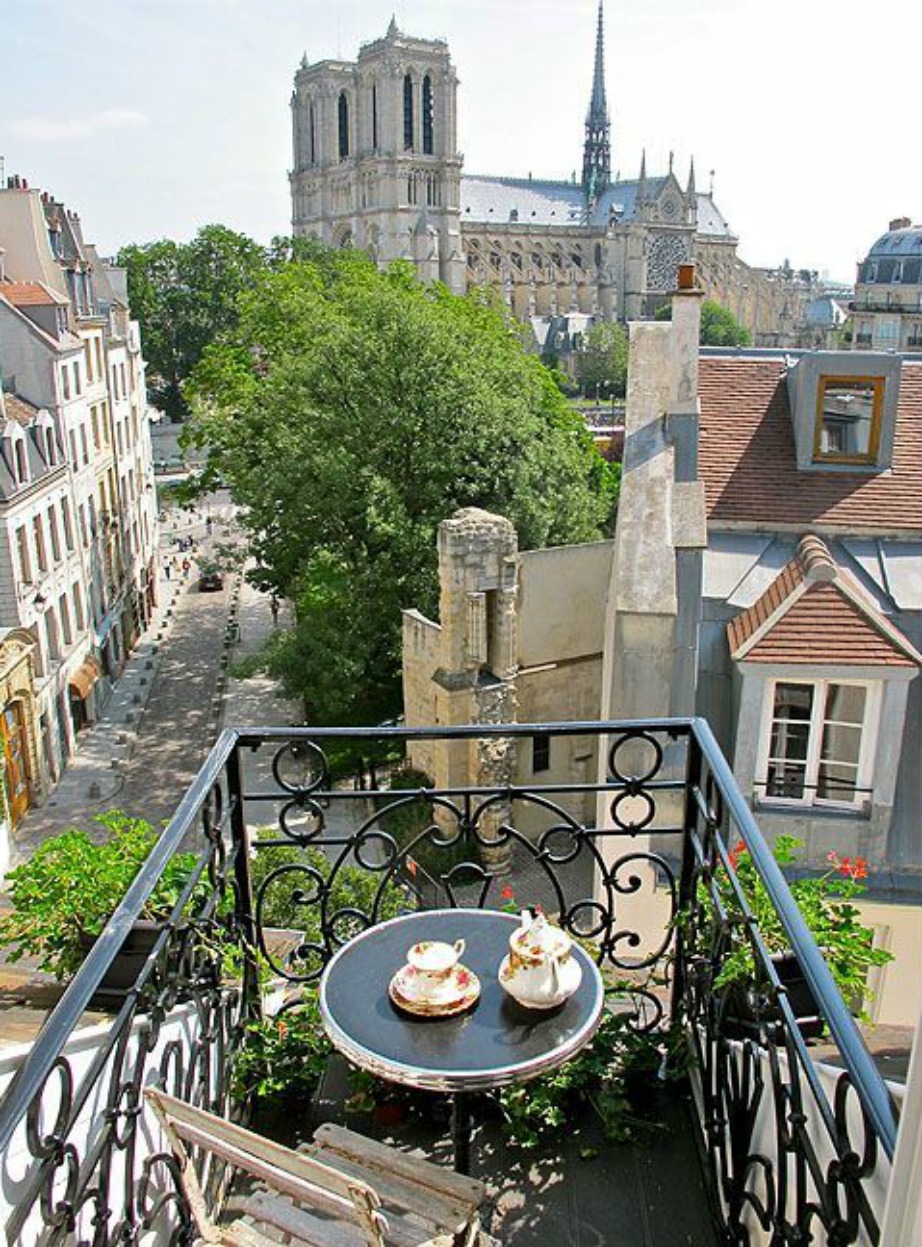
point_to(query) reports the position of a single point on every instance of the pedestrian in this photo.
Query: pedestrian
(167, 569)
(274, 607)
(186, 565)
(208, 523)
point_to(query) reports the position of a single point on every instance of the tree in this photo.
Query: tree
(349, 413)
(184, 295)
(602, 363)
(718, 326)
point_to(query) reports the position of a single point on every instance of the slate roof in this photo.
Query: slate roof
(814, 612)
(494, 199)
(749, 469)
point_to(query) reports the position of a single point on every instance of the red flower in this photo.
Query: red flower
(507, 894)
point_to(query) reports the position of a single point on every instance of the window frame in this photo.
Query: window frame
(864, 779)
(540, 751)
(828, 380)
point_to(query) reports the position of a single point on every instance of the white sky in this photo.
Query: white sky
(152, 117)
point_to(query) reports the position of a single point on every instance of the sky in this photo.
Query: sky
(154, 117)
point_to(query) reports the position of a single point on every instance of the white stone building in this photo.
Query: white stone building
(888, 292)
(377, 165)
(78, 524)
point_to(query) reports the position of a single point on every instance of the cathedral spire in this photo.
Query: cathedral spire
(691, 178)
(597, 150)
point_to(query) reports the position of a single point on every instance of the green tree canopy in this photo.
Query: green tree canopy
(718, 326)
(602, 363)
(184, 295)
(349, 413)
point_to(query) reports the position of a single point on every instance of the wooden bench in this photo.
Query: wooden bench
(342, 1190)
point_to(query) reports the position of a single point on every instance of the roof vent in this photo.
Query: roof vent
(900, 222)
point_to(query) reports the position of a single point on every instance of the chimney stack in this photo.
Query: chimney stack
(900, 222)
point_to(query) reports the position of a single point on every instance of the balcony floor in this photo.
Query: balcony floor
(582, 1192)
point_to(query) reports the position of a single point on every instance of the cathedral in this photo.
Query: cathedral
(377, 166)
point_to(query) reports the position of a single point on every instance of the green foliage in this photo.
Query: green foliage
(824, 901)
(184, 295)
(290, 900)
(284, 1055)
(718, 326)
(349, 413)
(602, 363)
(73, 884)
(406, 822)
(599, 1077)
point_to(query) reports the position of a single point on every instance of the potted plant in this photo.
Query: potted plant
(825, 900)
(279, 1067)
(65, 894)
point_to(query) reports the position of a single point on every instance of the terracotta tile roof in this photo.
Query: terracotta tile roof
(747, 461)
(18, 409)
(29, 293)
(815, 612)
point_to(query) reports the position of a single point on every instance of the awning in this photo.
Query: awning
(85, 677)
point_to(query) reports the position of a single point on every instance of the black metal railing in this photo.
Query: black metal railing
(636, 861)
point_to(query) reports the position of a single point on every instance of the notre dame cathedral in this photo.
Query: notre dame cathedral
(376, 165)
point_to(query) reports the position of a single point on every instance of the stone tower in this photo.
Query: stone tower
(376, 162)
(597, 148)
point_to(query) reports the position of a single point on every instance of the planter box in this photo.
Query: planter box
(740, 1020)
(129, 961)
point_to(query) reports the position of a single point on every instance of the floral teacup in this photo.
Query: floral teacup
(434, 965)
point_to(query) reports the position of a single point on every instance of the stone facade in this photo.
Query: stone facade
(888, 294)
(519, 639)
(377, 165)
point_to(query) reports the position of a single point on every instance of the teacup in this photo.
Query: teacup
(434, 963)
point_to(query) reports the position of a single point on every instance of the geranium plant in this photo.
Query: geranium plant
(825, 900)
(72, 885)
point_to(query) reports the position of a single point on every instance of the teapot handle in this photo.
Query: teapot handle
(459, 947)
(555, 973)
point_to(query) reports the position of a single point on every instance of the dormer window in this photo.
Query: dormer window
(848, 415)
(20, 462)
(843, 409)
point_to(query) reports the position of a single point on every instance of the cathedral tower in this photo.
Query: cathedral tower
(597, 148)
(376, 162)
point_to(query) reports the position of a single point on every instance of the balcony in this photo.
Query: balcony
(636, 862)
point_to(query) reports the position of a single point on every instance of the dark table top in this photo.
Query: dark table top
(495, 1043)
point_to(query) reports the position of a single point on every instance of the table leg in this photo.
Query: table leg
(461, 1130)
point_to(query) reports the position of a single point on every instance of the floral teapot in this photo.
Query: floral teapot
(539, 971)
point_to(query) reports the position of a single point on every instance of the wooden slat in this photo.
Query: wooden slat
(379, 1157)
(436, 1211)
(209, 1130)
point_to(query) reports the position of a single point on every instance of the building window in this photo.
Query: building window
(39, 532)
(343, 115)
(540, 752)
(55, 538)
(65, 382)
(78, 609)
(848, 418)
(66, 524)
(374, 117)
(25, 562)
(312, 132)
(817, 743)
(50, 453)
(64, 614)
(22, 466)
(408, 112)
(427, 116)
(76, 377)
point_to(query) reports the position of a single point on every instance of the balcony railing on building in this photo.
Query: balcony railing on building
(635, 862)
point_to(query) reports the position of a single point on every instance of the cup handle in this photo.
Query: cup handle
(459, 947)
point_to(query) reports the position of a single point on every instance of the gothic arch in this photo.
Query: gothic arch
(428, 116)
(408, 111)
(342, 124)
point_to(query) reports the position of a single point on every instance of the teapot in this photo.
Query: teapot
(539, 970)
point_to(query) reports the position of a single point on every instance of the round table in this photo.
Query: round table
(495, 1043)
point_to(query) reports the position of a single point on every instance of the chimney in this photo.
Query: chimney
(900, 222)
(686, 331)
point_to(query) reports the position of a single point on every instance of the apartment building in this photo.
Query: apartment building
(78, 521)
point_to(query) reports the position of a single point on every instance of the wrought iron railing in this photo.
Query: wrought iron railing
(636, 861)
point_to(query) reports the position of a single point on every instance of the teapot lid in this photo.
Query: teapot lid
(538, 935)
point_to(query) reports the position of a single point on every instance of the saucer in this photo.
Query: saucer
(462, 991)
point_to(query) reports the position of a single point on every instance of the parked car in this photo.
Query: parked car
(210, 582)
